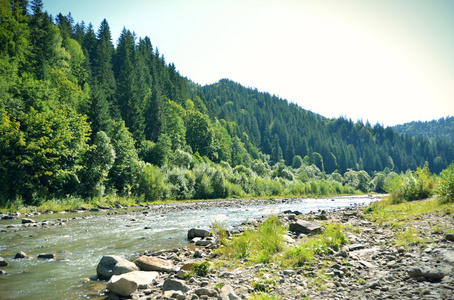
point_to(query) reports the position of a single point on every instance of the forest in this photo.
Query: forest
(442, 128)
(83, 118)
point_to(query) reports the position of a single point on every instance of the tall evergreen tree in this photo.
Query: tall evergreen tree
(127, 95)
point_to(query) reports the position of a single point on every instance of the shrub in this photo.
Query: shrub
(410, 186)
(150, 182)
(446, 184)
(219, 185)
(201, 269)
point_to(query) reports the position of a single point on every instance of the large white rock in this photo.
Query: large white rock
(122, 286)
(110, 265)
(128, 283)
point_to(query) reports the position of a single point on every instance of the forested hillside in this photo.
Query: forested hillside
(441, 129)
(283, 130)
(82, 117)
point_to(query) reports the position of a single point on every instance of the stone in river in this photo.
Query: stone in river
(46, 255)
(3, 262)
(28, 221)
(110, 265)
(21, 254)
(198, 232)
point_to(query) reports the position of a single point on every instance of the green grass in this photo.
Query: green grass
(263, 296)
(402, 217)
(258, 246)
(332, 238)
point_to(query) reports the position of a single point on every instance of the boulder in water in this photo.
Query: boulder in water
(21, 254)
(110, 265)
(198, 232)
(46, 255)
(3, 262)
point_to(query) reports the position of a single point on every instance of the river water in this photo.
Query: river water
(81, 243)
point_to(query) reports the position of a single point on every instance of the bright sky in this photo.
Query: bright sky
(385, 61)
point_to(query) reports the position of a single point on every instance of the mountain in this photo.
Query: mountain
(441, 129)
(80, 116)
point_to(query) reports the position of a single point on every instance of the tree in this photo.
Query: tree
(123, 174)
(297, 162)
(14, 32)
(99, 160)
(44, 152)
(446, 186)
(198, 133)
(127, 93)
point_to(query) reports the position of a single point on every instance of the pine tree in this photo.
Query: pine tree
(127, 94)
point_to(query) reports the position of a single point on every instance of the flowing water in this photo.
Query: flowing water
(81, 243)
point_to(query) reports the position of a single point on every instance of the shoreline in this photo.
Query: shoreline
(37, 219)
(371, 266)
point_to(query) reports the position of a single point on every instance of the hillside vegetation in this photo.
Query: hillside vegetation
(82, 118)
(441, 129)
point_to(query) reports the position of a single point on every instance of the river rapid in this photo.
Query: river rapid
(83, 239)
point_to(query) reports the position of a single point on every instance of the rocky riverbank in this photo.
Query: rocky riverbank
(373, 265)
(51, 219)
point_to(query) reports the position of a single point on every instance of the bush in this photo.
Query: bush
(446, 185)
(410, 186)
(151, 182)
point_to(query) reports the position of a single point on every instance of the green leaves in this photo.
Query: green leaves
(43, 153)
(446, 185)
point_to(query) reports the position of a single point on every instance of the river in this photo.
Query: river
(80, 244)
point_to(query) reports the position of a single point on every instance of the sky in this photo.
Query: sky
(381, 61)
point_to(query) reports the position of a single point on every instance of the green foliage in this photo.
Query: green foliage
(43, 153)
(263, 296)
(151, 186)
(297, 162)
(411, 185)
(201, 269)
(446, 185)
(99, 160)
(123, 174)
(54, 72)
(220, 232)
(331, 239)
(442, 128)
(259, 245)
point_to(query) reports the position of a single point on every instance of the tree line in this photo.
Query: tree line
(80, 116)
(442, 128)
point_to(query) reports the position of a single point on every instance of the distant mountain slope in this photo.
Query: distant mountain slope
(283, 130)
(442, 128)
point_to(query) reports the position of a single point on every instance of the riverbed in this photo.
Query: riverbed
(79, 242)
